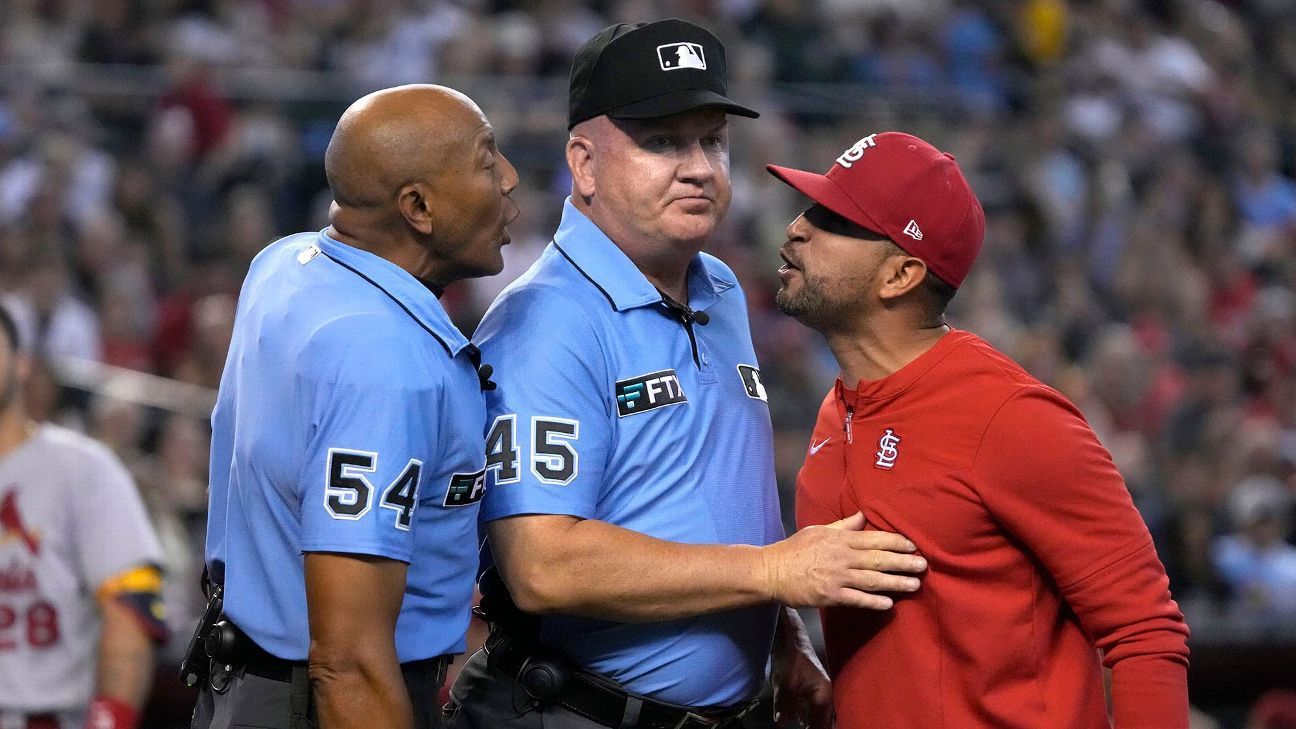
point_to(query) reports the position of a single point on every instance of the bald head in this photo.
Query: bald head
(418, 179)
(397, 136)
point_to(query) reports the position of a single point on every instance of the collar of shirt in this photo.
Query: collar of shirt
(867, 392)
(608, 267)
(401, 287)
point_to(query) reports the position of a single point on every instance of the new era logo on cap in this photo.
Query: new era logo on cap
(674, 56)
(913, 231)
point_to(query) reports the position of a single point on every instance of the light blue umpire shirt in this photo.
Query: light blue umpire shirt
(350, 419)
(610, 407)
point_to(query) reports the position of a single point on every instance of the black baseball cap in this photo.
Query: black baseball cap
(649, 70)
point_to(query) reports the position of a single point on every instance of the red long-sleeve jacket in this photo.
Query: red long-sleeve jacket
(1037, 556)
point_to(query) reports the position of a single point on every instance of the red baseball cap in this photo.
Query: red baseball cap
(904, 188)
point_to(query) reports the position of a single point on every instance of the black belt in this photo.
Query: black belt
(597, 699)
(253, 659)
(258, 662)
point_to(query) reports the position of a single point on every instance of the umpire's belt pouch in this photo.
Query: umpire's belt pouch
(196, 662)
(498, 608)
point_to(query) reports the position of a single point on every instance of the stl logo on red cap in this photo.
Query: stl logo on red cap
(852, 155)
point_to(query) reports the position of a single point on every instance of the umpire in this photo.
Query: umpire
(632, 500)
(348, 429)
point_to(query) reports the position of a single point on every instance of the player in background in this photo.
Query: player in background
(1037, 557)
(80, 586)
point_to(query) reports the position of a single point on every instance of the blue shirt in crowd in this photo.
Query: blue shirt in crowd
(350, 419)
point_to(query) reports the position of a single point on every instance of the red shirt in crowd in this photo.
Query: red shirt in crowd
(1037, 558)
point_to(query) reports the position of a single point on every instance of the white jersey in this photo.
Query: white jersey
(70, 519)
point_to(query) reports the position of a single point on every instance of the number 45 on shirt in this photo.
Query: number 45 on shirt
(554, 459)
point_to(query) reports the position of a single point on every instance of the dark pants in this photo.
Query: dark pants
(264, 703)
(482, 698)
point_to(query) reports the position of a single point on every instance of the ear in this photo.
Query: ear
(580, 160)
(902, 274)
(414, 201)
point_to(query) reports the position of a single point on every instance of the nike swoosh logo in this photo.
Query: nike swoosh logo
(815, 447)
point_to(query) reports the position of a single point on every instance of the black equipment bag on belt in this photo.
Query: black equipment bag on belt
(498, 609)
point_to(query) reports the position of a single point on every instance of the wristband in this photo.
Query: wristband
(110, 712)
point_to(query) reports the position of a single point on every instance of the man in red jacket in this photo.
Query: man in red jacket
(1037, 558)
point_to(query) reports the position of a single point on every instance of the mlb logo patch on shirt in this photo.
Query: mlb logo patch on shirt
(674, 56)
(646, 392)
(751, 379)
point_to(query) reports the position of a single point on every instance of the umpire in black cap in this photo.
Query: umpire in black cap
(631, 506)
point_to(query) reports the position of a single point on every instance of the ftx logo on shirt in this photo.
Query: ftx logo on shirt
(646, 392)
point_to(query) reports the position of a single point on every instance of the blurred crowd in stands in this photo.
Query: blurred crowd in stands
(1136, 161)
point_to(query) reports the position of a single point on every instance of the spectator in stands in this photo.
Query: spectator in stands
(51, 315)
(1254, 559)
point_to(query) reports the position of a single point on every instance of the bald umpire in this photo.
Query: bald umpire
(631, 503)
(347, 446)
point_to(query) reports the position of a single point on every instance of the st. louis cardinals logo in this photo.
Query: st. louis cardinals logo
(888, 450)
(856, 151)
(12, 526)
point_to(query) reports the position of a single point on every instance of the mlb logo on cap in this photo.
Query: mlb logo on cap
(674, 56)
(606, 74)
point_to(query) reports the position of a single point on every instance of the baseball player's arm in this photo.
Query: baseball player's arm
(124, 668)
(119, 557)
(1051, 483)
(564, 564)
(353, 602)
